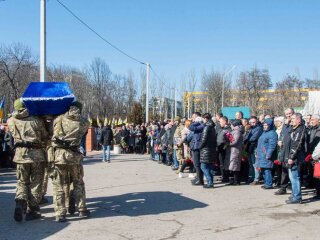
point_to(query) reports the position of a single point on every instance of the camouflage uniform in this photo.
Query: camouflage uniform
(67, 132)
(177, 138)
(50, 158)
(30, 135)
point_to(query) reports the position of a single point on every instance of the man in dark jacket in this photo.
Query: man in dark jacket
(283, 140)
(219, 115)
(313, 139)
(105, 140)
(196, 127)
(294, 156)
(251, 140)
(221, 142)
(174, 123)
(159, 140)
(143, 132)
(208, 145)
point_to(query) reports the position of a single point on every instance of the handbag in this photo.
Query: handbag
(316, 171)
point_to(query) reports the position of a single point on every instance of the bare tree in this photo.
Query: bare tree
(288, 93)
(252, 86)
(17, 69)
(212, 82)
(312, 83)
(99, 75)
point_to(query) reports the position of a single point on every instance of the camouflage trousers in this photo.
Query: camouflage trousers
(45, 181)
(29, 184)
(63, 176)
(179, 154)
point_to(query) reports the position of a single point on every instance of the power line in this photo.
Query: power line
(98, 34)
(114, 46)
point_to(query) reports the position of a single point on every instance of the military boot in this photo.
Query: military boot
(33, 213)
(61, 218)
(84, 213)
(72, 205)
(19, 210)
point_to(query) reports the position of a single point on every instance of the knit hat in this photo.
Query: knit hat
(236, 122)
(18, 104)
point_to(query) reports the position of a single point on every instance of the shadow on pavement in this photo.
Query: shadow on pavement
(9, 228)
(95, 159)
(140, 204)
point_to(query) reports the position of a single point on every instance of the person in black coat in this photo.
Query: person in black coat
(106, 141)
(294, 156)
(251, 142)
(208, 145)
(196, 127)
(143, 132)
(312, 140)
(221, 150)
(284, 141)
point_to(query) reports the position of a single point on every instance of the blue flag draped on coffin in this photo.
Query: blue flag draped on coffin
(48, 98)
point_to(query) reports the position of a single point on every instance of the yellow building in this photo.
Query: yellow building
(200, 100)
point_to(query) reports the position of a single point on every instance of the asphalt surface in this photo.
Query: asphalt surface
(135, 198)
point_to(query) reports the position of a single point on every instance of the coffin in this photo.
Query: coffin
(48, 98)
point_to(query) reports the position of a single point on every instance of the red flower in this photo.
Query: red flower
(277, 162)
(229, 137)
(308, 158)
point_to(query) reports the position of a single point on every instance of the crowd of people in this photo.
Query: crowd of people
(275, 151)
(6, 148)
(132, 139)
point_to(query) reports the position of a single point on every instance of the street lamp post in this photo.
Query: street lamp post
(147, 92)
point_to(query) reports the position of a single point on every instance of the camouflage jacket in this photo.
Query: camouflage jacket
(68, 130)
(30, 137)
(178, 136)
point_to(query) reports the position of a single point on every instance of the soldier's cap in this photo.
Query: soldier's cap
(77, 104)
(18, 104)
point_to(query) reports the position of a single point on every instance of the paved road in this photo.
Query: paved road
(135, 198)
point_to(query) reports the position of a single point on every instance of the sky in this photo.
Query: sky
(174, 36)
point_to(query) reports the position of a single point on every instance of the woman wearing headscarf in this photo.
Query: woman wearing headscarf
(267, 151)
(234, 150)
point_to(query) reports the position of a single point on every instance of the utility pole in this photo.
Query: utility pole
(147, 92)
(207, 104)
(43, 41)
